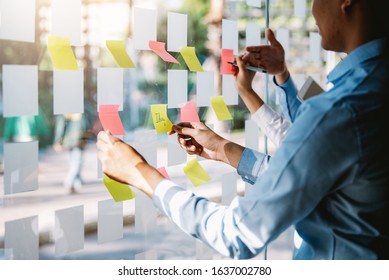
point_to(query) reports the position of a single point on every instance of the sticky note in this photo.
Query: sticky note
(230, 94)
(146, 144)
(20, 90)
(230, 35)
(163, 172)
(118, 51)
(282, 36)
(145, 28)
(220, 108)
(254, 3)
(69, 230)
(175, 154)
(66, 20)
(22, 236)
(177, 31)
(110, 119)
(205, 88)
(315, 46)
(20, 167)
(68, 91)
(109, 221)
(17, 20)
(300, 8)
(177, 88)
(159, 49)
(161, 121)
(118, 191)
(229, 188)
(110, 86)
(61, 53)
(191, 60)
(253, 34)
(227, 56)
(189, 112)
(196, 173)
(251, 133)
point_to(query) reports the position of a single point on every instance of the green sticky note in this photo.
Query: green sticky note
(118, 191)
(196, 173)
(220, 108)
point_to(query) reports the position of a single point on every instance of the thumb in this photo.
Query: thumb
(110, 137)
(271, 37)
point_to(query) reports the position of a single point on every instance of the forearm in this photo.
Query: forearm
(229, 152)
(150, 178)
(282, 77)
(251, 99)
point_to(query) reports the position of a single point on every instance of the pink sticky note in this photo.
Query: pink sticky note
(227, 56)
(110, 119)
(189, 112)
(162, 170)
(159, 49)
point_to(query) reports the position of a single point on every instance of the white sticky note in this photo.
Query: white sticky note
(17, 20)
(20, 90)
(251, 135)
(175, 154)
(145, 28)
(177, 88)
(254, 3)
(300, 8)
(282, 36)
(146, 144)
(231, 96)
(205, 88)
(315, 46)
(230, 35)
(109, 221)
(110, 86)
(299, 80)
(69, 230)
(20, 167)
(229, 187)
(22, 238)
(253, 34)
(66, 20)
(145, 214)
(68, 91)
(177, 31)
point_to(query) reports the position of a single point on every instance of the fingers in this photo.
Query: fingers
(271, 37)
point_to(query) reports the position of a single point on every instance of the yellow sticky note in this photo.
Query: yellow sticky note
(196, 173)
(118, 191)
(161, 121)
(118, 50)
(61, 53)
(220, 108)
(191, 60)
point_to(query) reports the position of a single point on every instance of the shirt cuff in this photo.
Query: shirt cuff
(250, 164)
(164, 189)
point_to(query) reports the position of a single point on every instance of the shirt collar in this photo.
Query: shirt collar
(357, 56)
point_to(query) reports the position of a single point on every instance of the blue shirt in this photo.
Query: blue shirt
(329, 178)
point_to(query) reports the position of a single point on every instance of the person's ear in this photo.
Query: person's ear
(346, 5)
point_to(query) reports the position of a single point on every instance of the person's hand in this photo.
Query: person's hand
(269, 57)
(124, 164)
(243, 77)
(197, 139)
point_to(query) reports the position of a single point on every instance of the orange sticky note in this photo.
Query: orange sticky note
(227, 56)
(196, 173)
(162, 170)
(118, 191)
(118, 51)
(191, 60)
(110, 119)
(161, 121)
(159, 49)
(189, 112)
(220, 108)
(61, 53)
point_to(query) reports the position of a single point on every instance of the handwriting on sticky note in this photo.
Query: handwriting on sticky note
(189, 112)
(161, 121)
(220, 108)
(191, 60)
(163, 172)
(61, 53)
(118, 191)
(196, 173)
(118, 51)
(227, 56)
(159, 49)
(110, 119)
